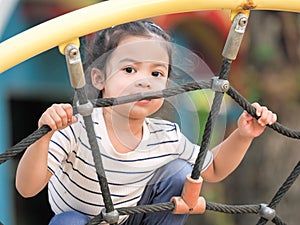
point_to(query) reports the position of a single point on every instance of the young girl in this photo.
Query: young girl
(146, 160)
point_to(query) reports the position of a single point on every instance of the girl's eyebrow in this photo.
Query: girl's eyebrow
(131, 60)
(128, 60)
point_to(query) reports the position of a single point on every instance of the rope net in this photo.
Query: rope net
(230, 209)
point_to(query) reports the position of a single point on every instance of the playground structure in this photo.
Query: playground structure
(68, 45)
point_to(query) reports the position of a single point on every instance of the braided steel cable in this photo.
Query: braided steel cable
(252, 111)
(169, 206)
(285, 186)
(278, 221)
(24, 143)
(168, 92)
(215, 109)
(191, 86)
(82, 98)
(281, 192)
(105, 102)
(232, 209)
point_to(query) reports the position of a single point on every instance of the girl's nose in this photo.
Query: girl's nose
(144, 83)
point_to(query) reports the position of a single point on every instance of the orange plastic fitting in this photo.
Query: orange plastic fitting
(190, 202)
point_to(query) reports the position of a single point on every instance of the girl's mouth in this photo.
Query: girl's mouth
(143, 102)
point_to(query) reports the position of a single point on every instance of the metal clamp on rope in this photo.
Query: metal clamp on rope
(220, 85)
(190, 202)
(235, 36)
(85, 109)
(266, 212)
(111, 217)
(74, 63)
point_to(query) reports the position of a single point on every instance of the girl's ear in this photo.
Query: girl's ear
(98, 78)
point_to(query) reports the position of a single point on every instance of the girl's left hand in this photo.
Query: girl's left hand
(250, 127)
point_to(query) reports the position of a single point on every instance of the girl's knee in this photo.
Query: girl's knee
(174, 173)
(69, 218)
(167, 182)
(178, 170)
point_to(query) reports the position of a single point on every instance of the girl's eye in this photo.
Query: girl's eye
(157, 74)
(129, 70)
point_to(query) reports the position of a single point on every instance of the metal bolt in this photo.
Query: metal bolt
(243, 21)
(73, 52)
(225, 86)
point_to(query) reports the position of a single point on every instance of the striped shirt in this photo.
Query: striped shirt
(74, 185)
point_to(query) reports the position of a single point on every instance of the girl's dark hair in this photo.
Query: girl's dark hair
(104, 41)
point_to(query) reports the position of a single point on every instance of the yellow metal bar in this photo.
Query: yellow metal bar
(81, 22)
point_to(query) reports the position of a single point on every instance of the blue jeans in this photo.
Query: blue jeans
(167, 182)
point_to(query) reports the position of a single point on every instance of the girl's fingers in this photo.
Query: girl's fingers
(48, 119)
(274, 119)
(74, 119)
(258, 108)
(266, 116)
(69, 112)
(58, 116)
(61, 118)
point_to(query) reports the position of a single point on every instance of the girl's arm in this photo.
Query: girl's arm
(229, 154)
(32, 172)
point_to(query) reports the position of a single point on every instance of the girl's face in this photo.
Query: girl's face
(138, 64)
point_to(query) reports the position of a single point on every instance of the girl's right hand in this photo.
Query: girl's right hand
(251, 127)
(58, 117)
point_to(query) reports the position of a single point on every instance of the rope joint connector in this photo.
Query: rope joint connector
(235, 36)
(190, 202)
(110, 217)
(85, 109)
(75, 68)
(266, 212)
(219, 85)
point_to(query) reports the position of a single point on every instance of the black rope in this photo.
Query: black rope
(282, 191)
(252, 111)
(82, 98)
(169, 206)
(36, 135)
(24, 143)
(232, 209)
(191, 86)
(168, 92)
(285, 186)
(215, 109)
(277, 220)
